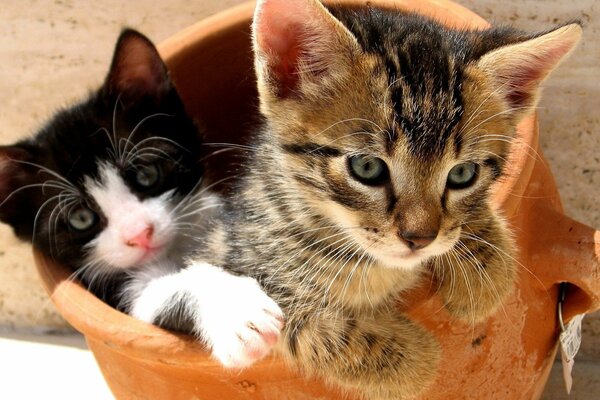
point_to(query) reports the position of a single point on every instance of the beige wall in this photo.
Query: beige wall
(53, 52)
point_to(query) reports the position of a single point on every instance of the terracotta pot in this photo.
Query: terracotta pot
(506, 357)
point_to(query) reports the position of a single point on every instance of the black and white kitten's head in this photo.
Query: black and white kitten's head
(102, 184)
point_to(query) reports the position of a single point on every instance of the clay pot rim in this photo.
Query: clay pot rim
(92, 317)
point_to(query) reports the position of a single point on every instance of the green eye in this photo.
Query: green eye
(82, 218)
(368, 170)
(462, 175)
(147, 176)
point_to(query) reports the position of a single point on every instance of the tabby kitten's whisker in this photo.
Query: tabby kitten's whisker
(481, 270)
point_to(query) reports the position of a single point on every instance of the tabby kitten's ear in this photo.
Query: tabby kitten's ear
(298, 45)
(137, 71)
(517, 70)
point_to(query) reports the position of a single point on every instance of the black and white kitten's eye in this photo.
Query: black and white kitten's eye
(82, 219)
(147, 176)
(368, 170)
(462, 175)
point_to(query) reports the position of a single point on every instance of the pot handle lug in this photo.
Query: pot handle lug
(565, 250)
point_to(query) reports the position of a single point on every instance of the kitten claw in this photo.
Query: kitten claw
(244, 331)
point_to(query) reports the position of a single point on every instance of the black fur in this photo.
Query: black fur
(77, 138)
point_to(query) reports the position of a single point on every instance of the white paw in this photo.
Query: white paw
(242, 324)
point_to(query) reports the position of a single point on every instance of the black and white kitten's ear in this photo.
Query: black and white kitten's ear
(137, 70)
(15, 175)
(298, 44)
(517, 70)
(11, 158)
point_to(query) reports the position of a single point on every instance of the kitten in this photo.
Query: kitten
(384, 134)
(109, 187)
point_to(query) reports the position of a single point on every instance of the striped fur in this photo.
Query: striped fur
(324, 246)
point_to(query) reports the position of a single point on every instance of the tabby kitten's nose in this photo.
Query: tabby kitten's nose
(417, 240)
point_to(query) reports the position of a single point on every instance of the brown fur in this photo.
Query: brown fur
(417, 98)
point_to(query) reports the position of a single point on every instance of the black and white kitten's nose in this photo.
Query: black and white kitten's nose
(417, 240)
(142, 239)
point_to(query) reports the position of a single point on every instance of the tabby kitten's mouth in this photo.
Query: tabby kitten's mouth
(407, 254)
(412, 259)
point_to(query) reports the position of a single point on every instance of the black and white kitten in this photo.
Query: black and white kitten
(110, 187)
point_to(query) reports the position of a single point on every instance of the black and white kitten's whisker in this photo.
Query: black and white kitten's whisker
(140, 146)
(30, 186)
(231, 146)
(115, 140)
(215, 153)
(39, 212)
(149, 153)
(200, 197)
(154, 155)
(112, 151)
(90, 272)
(193, 196)
(201, 201)
(143, 142)
(123, 143)
(41, 168)
(195, 212)
(60, 210)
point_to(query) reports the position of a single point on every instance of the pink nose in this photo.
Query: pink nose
(142, 239)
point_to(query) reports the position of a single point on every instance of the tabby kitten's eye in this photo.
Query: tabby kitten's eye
(82, 219)
(368, 170)
(462, 175)
(146, 176)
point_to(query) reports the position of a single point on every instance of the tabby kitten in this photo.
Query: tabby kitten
(384, 133)
(110, 187)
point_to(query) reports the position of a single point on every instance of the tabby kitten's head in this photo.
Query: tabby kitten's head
(391, 125)
(99, 185)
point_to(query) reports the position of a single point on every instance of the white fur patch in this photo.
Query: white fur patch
(232, 314)
(127, 216)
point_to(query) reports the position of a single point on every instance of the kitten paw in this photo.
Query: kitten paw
(245, 326)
